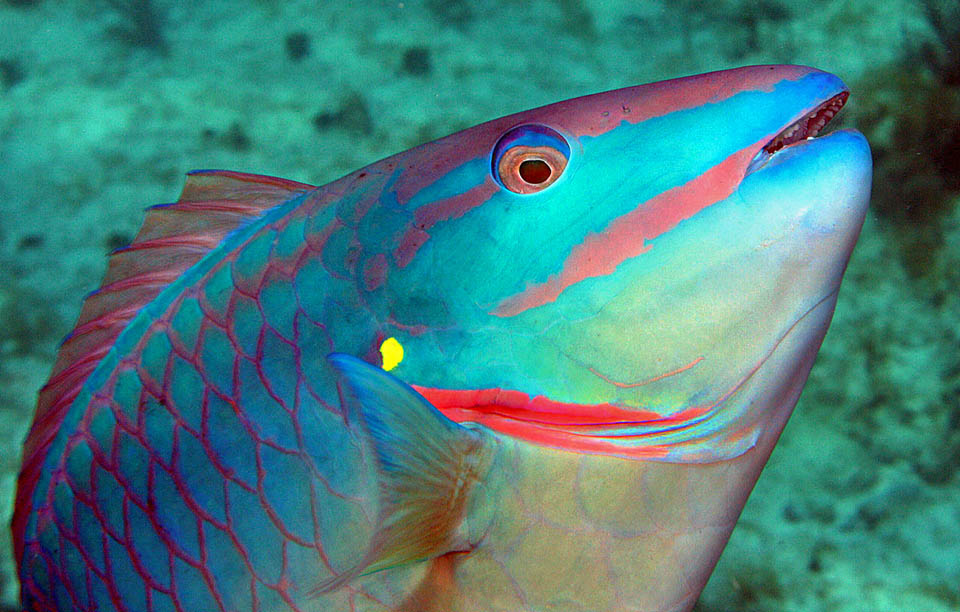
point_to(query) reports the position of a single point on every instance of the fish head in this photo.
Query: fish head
(624, 272)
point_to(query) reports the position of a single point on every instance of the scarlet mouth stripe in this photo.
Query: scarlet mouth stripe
(477, 404)
(809, 125)
(605, 429)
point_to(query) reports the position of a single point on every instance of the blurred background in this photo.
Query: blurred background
(105, 104)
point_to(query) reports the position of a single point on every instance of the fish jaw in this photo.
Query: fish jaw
(823, 186)
(810, 201)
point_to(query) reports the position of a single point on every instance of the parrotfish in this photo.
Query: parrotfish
(537, 365)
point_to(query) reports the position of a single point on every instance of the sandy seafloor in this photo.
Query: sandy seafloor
(859, 507)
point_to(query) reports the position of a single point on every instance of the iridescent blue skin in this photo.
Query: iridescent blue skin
(215, 459)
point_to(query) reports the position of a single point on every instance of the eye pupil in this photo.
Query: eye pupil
(534, 171)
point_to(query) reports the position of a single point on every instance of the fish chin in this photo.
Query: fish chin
(820, 188)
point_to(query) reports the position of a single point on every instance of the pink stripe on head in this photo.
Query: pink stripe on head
(428, 215)
(626, 237)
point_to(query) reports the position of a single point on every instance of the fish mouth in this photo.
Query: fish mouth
(808, 126)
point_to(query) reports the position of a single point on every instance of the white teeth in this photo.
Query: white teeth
(808, 127)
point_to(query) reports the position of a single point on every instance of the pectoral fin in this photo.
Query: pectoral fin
(428, 468)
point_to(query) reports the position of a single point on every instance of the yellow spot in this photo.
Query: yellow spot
(392, 353)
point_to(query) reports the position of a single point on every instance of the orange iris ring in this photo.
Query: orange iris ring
(509, 167)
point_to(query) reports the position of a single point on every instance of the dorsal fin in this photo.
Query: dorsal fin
(173, 238)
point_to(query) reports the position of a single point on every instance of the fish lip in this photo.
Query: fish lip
(808, 125)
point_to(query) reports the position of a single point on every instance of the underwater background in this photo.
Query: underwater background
(105, 104)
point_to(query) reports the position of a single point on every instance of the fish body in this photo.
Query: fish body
(535, 365)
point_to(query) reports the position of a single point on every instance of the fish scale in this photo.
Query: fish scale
(209, 445)
(448, 382)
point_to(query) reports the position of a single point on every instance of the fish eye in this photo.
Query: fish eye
(529, 158)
